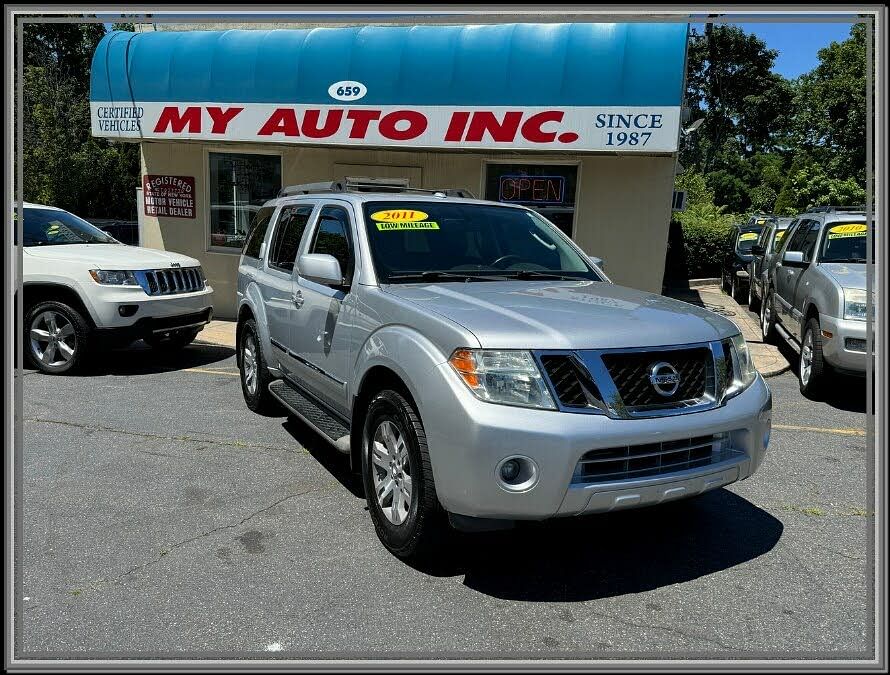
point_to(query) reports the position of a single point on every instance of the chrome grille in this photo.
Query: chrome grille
(652, 459)
(171, 281)
(630, 373)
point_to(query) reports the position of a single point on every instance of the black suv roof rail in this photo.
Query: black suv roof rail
(836, 209)
(351, 184)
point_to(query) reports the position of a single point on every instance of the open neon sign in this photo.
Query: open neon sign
(532, 189)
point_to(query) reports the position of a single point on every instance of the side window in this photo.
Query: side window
(765, 235)
(257, 231)
(808, 246)
(332, 237)
(795, 239)
(291, 226)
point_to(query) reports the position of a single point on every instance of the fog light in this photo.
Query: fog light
(127, 310)
(509, 470)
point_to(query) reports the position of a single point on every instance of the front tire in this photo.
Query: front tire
(768, 319)
(398, 478)
(255, 375)
(813, 371)
(753, 300)
(57, 338)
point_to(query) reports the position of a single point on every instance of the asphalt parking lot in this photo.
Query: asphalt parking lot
(162, 518)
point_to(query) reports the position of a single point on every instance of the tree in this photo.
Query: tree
(830, 104)
(63, 164)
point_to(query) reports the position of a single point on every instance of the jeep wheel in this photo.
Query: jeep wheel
(398, 478)
(56, 339)
(768, 319)
(255, 376)
(812, 370)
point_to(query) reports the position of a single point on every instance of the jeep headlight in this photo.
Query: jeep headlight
(114, 277)
(742, 372)
(508, 376)
(855, 304)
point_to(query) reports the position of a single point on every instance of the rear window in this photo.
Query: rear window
(747, 240)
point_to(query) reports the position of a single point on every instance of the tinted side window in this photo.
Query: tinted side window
(332, 237)
(808, 245)
(257, 231)
(291, 226)
(796, 238)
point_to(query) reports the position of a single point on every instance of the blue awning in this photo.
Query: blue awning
(583, 64)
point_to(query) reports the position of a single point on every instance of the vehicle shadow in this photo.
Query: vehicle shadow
(848, 392)
(140, 359)
(335, 463)
(609, 555)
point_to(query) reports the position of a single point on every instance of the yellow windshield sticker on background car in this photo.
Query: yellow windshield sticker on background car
(400, 216)
(748, 236)
(425, 225)
(847, 230)
(761, 221)
(780, 234)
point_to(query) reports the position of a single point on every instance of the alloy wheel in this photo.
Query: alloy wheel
(249, 363)
(391, 467)
(806, 358)
(53, 340)
(765, 315)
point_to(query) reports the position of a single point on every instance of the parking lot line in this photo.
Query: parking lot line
(210, 370)
(820, 430)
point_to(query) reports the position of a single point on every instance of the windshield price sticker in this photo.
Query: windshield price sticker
(780, 234)
(748, 236)
(420, 225)
(848, 230)
(399, 216)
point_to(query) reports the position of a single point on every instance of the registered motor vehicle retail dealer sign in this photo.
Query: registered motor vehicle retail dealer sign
(169, 196)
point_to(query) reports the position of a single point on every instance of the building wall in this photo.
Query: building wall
(622, 207)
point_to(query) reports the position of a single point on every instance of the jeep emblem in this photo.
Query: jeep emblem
(664, 378)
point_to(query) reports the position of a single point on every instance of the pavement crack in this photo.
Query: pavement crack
(92, 428)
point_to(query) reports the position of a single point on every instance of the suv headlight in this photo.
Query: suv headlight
(855, 304)
(114, 277)
(508, 376)
(742, 372)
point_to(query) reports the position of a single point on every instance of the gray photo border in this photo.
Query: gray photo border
(876, 172)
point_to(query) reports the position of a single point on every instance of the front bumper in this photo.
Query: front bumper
(465, 455)
(837, 351)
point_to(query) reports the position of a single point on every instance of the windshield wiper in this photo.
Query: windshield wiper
(534, 274)
(435, 276)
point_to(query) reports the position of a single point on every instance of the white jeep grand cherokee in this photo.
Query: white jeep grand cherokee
(84, 289)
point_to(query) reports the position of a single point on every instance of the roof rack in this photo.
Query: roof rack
(361, 184)
(835, 209)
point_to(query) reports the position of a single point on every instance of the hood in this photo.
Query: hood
(111, 256)
(848, 275)
(566, 314)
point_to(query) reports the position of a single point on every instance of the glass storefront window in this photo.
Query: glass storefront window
(549, 189)
(239, 186)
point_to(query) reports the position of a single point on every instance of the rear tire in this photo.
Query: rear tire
(396, 467)
(255, 375)
(813, 371)
(753, 300)
(56, 338)
(768, 319)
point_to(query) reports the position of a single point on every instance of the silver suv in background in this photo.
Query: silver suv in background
(815, 295)
(763, 253)
(478, 368)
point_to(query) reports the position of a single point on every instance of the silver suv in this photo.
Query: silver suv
(814, 295)
(479, 369)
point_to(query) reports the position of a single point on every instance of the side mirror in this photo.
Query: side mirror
(320, 268)
(757, 250)
(793, 258)
(599, 262)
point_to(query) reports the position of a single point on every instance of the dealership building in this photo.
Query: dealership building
(578, 121)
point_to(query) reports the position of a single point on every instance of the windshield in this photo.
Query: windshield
(746, 241)
(415, 241)
(48, 227)
(845, 242)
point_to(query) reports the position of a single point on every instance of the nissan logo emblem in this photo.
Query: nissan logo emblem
(664, 378)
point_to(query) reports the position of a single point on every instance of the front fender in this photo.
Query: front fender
(253, 299)
(406, 352)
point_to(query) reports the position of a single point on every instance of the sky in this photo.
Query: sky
(798, 44)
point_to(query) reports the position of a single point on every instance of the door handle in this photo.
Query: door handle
(297, 298)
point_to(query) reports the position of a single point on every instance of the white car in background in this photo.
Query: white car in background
(84, 289)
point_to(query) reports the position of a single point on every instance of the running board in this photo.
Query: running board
(313, 413)
(785, 335)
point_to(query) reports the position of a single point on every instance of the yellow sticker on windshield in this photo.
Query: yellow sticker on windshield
(748, 236)
(400, 216)
(780, 234)
(847, 230)
(761, 221)
(424, 225)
